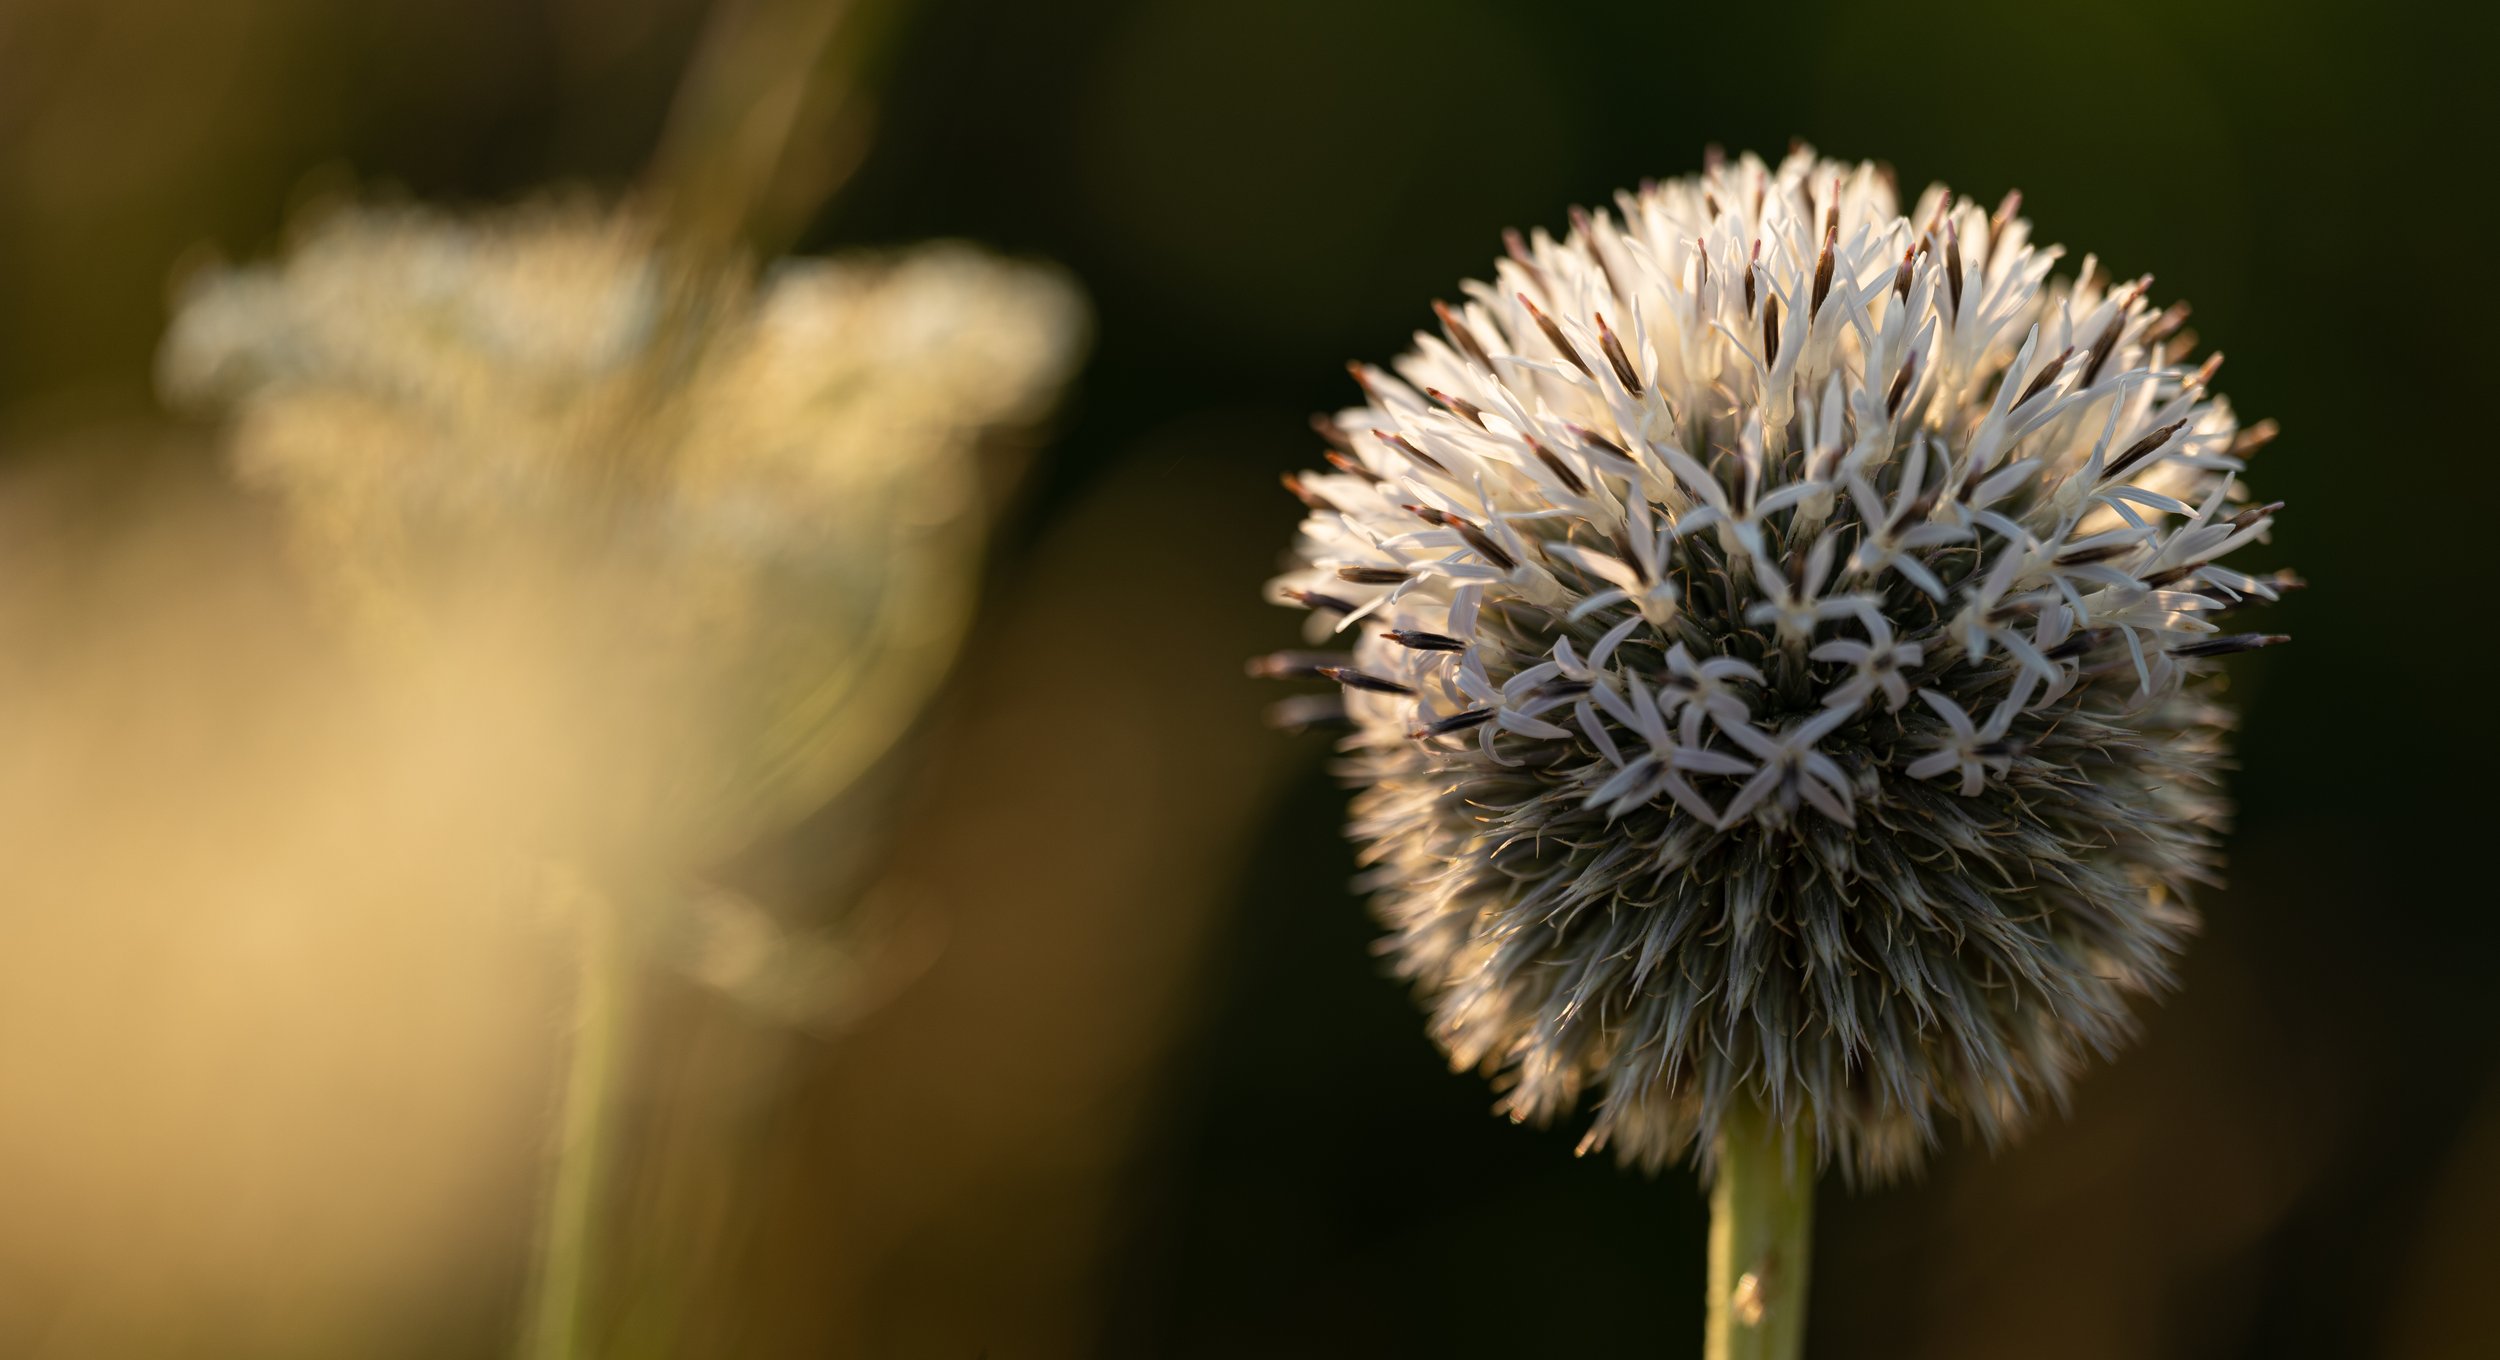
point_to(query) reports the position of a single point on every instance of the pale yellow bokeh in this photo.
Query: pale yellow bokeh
(713, 541)
(282, 1014)
(268, 1073)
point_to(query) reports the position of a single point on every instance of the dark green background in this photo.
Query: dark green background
(1255, 191)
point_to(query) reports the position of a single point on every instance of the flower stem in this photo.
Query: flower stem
(771, 116)
(1761, 1237)
(568, 1213)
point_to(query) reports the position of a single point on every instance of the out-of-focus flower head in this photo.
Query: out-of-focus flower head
(722, 533)
(1784, 636)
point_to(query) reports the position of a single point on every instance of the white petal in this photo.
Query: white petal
(1931, 765)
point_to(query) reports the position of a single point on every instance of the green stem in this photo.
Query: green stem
(568, 1215)
(772, 115)
(1761, 1237)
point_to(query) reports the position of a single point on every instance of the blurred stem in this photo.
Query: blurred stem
(568, 1234)
(1761, 1237)
(771, 116)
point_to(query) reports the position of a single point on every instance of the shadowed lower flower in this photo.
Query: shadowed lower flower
(1782, 674)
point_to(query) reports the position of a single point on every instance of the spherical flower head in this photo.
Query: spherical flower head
(1783, 660)
(725, 528)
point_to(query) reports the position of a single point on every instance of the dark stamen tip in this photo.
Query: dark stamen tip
(1354, 679)
(2254, 437)
(2107, 344)
(1302, 492)
(2254, 513)
(1483, 543)
(1953, 263)
(1823, 265)
(2012, 204)
(1456, 722)
(1616, 358)
(1407, 446)
(2230, 644)
(1352, 468)
(1460, 337)
(1562, 471)
(1554, 336)
(1372, 576)
(2077, 557)
(1901, 385)
(1592, 439)
(2143, 448)
(1459, 405)
(2076, 645)
(1331, 433)
(2047, 374)
(2167, 324)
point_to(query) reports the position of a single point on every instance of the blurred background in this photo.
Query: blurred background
(1127, 1081)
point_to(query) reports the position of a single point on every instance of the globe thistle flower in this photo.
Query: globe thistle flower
(1782, 672)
